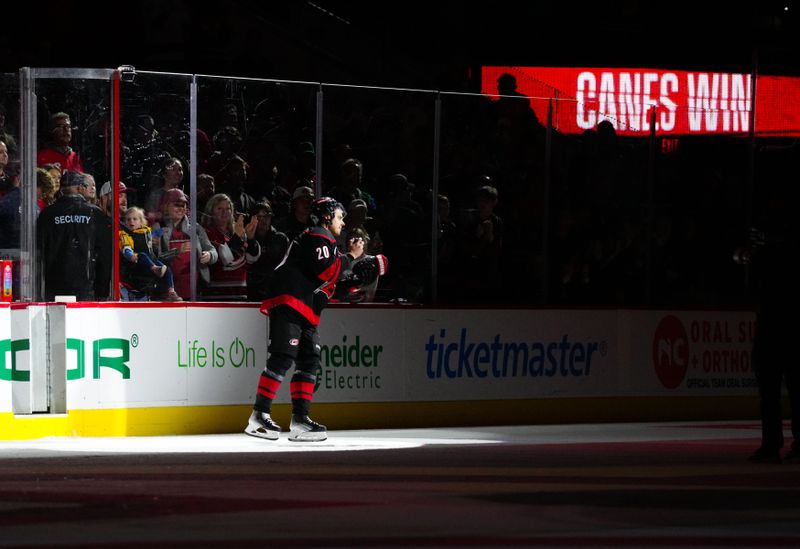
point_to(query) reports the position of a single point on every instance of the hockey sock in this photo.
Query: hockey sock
(268, 384)
(302, 386)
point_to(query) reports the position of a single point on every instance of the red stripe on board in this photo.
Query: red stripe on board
(115, 213)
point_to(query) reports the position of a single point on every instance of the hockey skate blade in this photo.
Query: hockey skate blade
(307, 436)
(259, 432)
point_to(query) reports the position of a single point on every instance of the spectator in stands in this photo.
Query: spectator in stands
(106, 236)
(45, 189)
(301, 168)
(358, 220)
(8, 180)
(138, 257)
(306, 162)
(229, 116)
(235, 176)
(174, 244)
(351, 174)
(67, 241)
(405, 237)
(6, 133)
(10, 212)
(236, 245)
(278, 195)
(58, 149)
(206, 188)
(170, 176)
(448, 246)
(89, 190)
(273, 247)
(105, 197)
(299, 218)
(228, 143)
(483, 246)
(55, 174)
(512, 104)
(11, 218)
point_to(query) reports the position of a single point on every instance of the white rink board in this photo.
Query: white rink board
(689, 352)
(208, 354)
(221, 353)
(150, 333)
(5, 335)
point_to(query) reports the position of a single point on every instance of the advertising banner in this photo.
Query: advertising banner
(221, 354)
(130, 357)
(691, 352)
(364, 356)
(481, 354)
(124, 357)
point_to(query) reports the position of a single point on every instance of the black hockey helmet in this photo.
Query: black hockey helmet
(324, 207)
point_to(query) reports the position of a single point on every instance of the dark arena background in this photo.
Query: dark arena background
(561, 351)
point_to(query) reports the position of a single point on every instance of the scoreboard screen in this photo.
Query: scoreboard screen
(684, 102)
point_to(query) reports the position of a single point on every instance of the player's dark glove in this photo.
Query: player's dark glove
(368, 268)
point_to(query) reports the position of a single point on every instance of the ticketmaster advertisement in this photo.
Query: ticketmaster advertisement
(194, 354)
(511, 354)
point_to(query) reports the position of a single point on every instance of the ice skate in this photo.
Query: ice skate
(261, 425)
(305, 429)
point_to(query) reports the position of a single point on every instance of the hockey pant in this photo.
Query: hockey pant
(291, 343)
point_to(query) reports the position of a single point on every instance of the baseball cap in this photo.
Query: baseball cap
(303, 192)
(106, 189)
(71, 178)
(171, 196)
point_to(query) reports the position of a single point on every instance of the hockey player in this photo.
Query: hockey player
(303, 283)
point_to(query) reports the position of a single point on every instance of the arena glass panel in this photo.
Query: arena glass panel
(649, 219)
(601, 212)
(10, 199)
(155, 151)
(70, 117)
(701, 205)
(378, 144)
(256, 143)
(492, 255)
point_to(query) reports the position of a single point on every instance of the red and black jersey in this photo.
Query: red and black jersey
(306, 278)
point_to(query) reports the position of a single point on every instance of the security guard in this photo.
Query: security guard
(67, 242)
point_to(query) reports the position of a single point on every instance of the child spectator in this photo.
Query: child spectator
(136, 245)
